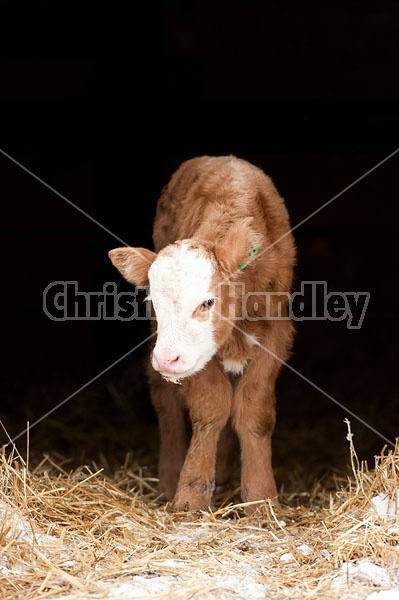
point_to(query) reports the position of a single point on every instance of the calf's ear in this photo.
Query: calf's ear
(133, 263)
(239, 246)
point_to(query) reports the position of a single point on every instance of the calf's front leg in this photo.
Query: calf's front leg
(254, 420)
(208, 397)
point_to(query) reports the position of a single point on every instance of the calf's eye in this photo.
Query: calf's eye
(207, 304)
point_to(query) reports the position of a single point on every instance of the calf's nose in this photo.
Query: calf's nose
(166, 362)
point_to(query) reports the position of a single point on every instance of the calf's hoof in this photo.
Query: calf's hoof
(221, 489)
(168, 480)
(188, 500)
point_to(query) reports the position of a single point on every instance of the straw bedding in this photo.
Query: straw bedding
(82, 533)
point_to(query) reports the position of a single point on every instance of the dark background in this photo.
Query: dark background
(103, 104)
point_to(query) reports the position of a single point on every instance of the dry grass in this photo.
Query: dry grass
(84, 534)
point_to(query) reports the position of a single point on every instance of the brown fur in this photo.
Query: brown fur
(223, 205)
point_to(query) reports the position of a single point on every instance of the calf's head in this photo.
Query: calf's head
(189, 284)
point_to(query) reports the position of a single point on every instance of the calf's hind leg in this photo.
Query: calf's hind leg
(169, 407)
(225, 461)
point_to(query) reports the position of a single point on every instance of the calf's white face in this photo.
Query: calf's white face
(181, 293)
(182, 280)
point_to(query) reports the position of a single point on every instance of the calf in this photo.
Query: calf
(222, 240)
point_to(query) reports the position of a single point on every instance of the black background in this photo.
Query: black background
(102, 104)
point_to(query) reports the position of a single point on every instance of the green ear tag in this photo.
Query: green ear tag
(254, 250)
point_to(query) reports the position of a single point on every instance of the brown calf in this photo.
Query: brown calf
(222, 241)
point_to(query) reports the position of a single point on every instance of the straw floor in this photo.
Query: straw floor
(81, 533)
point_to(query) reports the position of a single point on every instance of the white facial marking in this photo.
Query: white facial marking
(235, 367)
(180, 280)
